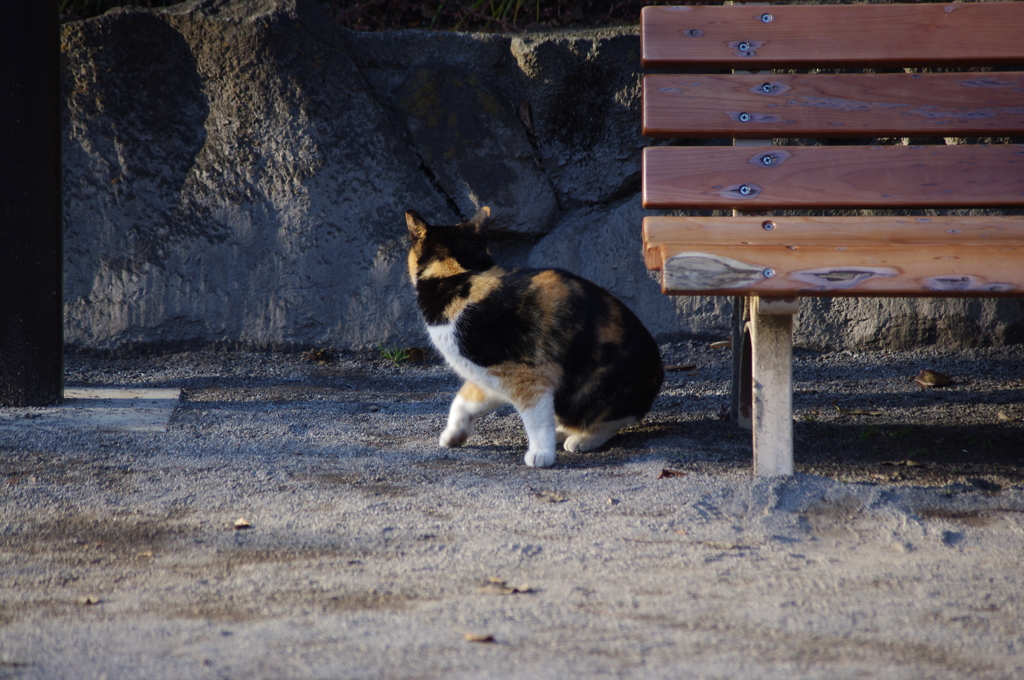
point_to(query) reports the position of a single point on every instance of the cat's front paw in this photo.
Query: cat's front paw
(453, 437)
(580, 443)
(575, 444)
(539, 458)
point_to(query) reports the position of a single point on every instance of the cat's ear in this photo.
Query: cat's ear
(417, 226)
(478, 220)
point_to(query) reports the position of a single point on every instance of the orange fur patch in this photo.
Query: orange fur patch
(525, 385)
(481, 286)
(439, 269)
(414, 263)
(552, 293)
(611, 330)
(471, 393)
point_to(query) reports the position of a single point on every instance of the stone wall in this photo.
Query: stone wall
(236, 171)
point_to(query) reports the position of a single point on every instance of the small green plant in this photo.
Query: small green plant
(868, 432)
(395, 354)
(905, 431)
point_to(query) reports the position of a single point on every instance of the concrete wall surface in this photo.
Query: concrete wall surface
(236, 171)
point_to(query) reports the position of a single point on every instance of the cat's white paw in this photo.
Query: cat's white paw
(539, 458)
(453, 437)
(576, 443)
(596, 437)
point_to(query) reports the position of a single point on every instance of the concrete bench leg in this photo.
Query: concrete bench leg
(771, 338)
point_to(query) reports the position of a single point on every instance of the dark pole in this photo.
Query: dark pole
(31, 286)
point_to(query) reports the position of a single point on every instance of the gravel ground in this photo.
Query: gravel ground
(894, 552)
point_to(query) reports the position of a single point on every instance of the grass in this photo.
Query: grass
(395, 354)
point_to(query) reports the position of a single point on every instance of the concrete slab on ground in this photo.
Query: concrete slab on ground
(128, 409)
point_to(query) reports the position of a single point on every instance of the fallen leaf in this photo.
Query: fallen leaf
(725, 545)
(478, 637)
(1003, 415)
(930, 378)
(241, 524)
(668, 472)
(906, 462)
(721, 344)
(416, 355)
(857, 411)
(88, 600)
(321, 356)
(681, 367)
(550, 497)
(145, 553)
(496, 586)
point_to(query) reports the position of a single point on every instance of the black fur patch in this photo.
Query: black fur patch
(434, 295)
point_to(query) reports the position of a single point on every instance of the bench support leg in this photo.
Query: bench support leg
(771, 336)
(741, 405)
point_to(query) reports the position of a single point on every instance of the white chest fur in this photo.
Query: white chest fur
(538, 418)
(443, 337)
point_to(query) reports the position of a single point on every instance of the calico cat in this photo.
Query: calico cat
(574, 361)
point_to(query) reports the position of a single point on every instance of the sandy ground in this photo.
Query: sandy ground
(896, 551)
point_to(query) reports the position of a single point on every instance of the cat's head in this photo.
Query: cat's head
(441, 251)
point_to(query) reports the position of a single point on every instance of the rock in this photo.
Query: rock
(237, 172)
(604, 245)
(229, 177)
(471, 139)
(584, 94)
(900, 323)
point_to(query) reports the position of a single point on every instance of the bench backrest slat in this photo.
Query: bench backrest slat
(865, 35)
(793, 231)
(912, 148)
(828, 105)
(833, 176)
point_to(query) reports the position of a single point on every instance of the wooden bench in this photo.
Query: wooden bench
(883, 213)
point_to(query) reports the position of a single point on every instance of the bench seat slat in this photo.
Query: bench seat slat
(809, 271)
(877, 231)
(830, 105)
(833, 176)
(955, 34)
